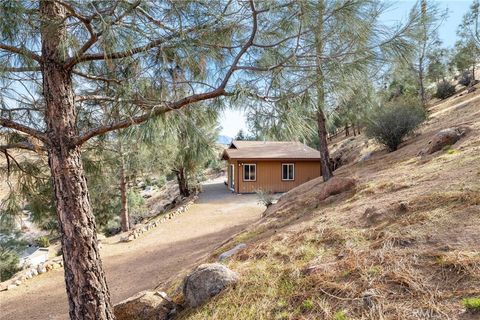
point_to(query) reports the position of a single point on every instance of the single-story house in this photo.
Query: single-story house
(270, 166)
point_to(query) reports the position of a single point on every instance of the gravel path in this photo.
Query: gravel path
(147, 262)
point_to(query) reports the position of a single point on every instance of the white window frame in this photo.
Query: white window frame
(250, 165)
(293, 171)
(232, 177)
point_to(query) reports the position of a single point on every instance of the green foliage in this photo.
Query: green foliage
(307, 304)
(468, 30)
(437, 68)
(445, 90)
(472, 304)
(10, 245)
(243, 136)
(195, 136)
(136, 206)
(216, 164)
(8, 264)
(340, 315)
(465, 56)
(390, 124)
(42, 241)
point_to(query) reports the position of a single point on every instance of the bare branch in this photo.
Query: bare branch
(96, 98)
(92, 77)
(22, 145)
(21, 51)
(20, 69)
(25, 129)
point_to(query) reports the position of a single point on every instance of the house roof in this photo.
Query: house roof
(270, 150)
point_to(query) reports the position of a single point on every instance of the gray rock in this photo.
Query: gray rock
(34, 272)
(443, 138)
(144, 305)
(11, 286)
(366, 157)
(41, 269)
(206, 281)
(231, 252)
(128, 238)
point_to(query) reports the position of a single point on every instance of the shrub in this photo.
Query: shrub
(8, 264)
(42, 241)
(465, 78)
(444, 90)
(392, 123)
(264, 197)
(472, 304)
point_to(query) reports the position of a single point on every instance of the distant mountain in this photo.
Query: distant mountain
(224, 139)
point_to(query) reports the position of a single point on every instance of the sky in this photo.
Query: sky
(233, 120)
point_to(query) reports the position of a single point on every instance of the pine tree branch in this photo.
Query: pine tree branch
(20, 69)
(21, 51)
(97, 98)
(94, 36)
(133, 51)
(166, 107)
(25, 129)
(120, 54)
(22, 145)
(93, 77)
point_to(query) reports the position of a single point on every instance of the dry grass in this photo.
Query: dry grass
(319, 272)
(417, 258)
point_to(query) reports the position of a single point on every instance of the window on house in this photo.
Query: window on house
(288, 171)
(249, 172)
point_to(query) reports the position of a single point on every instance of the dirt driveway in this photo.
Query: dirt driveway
(146, 262)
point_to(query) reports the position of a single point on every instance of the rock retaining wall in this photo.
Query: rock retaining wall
(31, 272)
(142, 228)
(57, 262)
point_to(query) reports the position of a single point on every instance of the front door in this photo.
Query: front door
(232, 177)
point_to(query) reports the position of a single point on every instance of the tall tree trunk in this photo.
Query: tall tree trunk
(347, 131)
(87, 289)
(182, 183)
(124, 216)
(421, 60)
(321, 122)
(421, 82)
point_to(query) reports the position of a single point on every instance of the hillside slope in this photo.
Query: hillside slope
(404, 244)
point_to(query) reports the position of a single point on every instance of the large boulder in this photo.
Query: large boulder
(443, 138)
(145, 305)
(206, 281)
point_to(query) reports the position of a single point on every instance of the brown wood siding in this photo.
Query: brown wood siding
(269, 175)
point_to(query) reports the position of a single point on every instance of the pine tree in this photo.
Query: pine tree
(339, 41)
(56, 59)
(467, 52)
